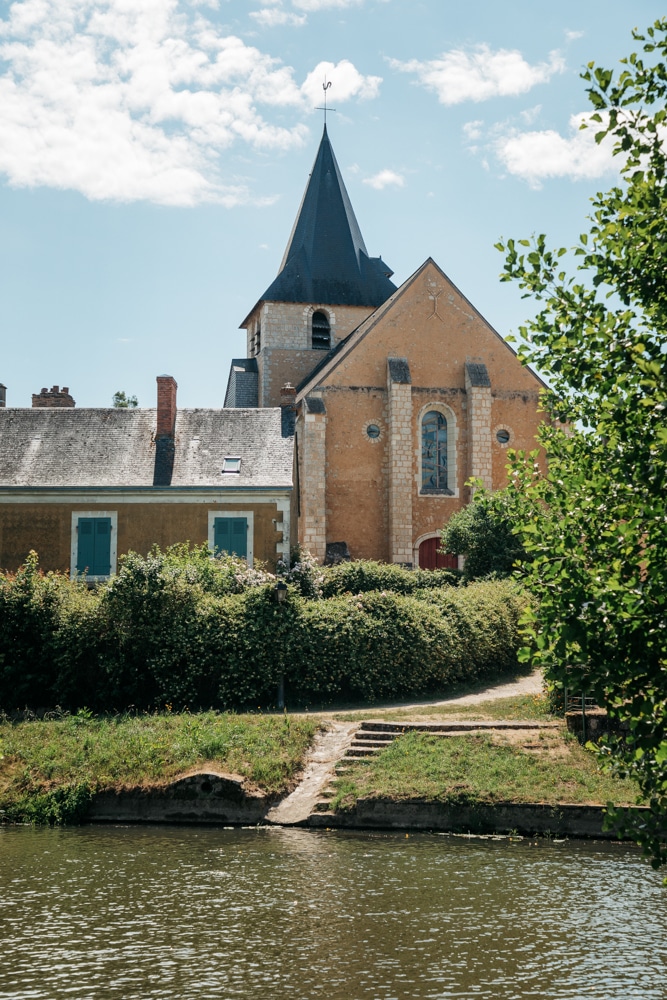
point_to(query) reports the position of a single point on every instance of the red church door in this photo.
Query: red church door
(430, 558)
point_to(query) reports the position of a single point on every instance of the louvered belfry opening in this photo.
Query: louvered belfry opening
(321, 340)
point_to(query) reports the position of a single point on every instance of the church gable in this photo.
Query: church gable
(429, 321)
(423, 396)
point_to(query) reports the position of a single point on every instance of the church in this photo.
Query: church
(351, 427)
(400, 395)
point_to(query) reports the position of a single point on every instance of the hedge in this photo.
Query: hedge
(168, 632)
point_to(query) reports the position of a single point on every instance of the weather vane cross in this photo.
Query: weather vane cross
(325, 87)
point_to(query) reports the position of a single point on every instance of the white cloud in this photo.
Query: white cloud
(536, 156)
(347, 82)
(480, 74)
(271, 17)
(314, 5)
(473, 130)
(572, 36)
(123, 100)
(385, 178)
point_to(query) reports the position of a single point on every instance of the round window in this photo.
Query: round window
(502, 436)
(373, 431)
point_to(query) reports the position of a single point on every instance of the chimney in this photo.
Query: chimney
(55, 397)
(288, 395)
(166, 406)
(3, 395)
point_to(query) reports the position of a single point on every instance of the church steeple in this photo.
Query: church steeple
(326, 260)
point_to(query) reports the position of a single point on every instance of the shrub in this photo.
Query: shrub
(166, 632)
(364, 575)
(34, 640)
(485, 533)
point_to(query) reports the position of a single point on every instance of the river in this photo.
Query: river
(117, 913)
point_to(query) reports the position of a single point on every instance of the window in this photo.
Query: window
(230, 534)
(231, 464)
(258, 338)
(321, 339)
(93, 553)
(434, 452)
(231, 531)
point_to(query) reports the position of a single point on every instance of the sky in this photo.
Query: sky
(153, 154)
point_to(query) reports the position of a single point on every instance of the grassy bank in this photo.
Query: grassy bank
(529, 766)
(50, 768)
(534, 766)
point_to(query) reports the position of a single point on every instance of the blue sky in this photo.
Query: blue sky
(153, 154)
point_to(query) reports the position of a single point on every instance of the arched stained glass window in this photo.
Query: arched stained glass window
(434, 451)
(321, 332)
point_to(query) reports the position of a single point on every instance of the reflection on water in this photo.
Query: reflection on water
(190, 913)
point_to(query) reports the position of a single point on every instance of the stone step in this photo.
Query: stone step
(372, 734)
(376, 744)
(397, 728)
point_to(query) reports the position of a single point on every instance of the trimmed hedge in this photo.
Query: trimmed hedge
(164, 632)
(364, 575)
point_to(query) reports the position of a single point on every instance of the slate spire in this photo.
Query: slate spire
(326, 260)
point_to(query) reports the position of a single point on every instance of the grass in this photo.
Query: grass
(478, 768)
(50, 768)
(529, 707)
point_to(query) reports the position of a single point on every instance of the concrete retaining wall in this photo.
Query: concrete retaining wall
(562, 820)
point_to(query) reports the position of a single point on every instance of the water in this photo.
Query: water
(124, 913)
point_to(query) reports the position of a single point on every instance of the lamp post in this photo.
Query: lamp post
(280, 596)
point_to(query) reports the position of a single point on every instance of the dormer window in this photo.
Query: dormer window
(231, 464)
(321, 339)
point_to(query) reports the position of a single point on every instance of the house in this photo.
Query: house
(400, 395)
(82, 486)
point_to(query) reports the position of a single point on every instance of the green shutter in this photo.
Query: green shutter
(94, 546)
(230, 534)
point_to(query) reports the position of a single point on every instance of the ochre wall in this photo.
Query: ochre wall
(437, 330)
(47, 528)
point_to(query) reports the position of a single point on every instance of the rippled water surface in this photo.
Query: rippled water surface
(129, 913)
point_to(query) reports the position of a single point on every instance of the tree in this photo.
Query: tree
(123, 402)
(599, 565)
(485, 533)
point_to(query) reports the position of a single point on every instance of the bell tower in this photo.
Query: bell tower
(326, 286)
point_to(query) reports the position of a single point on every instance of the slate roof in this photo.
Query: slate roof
(326, 260)
(243, 383)
(478, 375)
(116, 448)
(399, 370)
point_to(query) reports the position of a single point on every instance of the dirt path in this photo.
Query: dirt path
(524, 686)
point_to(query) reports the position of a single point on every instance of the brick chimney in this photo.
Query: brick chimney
(288, 395)
(3, 395)
(55, 397)
(166, 406)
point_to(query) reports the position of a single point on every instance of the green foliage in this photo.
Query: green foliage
(65, 805)
(36, 641)
(485, 532)
(123, 402)
(363, 575)
(599, 566)
(172, 628)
